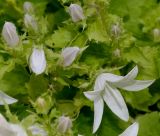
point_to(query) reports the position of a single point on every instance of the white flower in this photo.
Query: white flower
(105, 89)
(5, 99)
(38, 61)
(37, 130)
(64, 124)
(9, 34)
(131, 130)
(30, 22)
(28, 7)
(69, 54)
(9, 129)
(76, 12)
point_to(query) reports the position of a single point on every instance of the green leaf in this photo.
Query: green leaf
(149, 124)
(97, 32)
(140, 100)
(37, 85)
(62, 37)
(146, 58)
(13, 82)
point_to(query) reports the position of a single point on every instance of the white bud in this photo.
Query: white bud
(30, 22)
(38, 61)
(28, 7)
(69, 54)
(156, 34)
(76, 12)
(9, 34)
(64, 124)
(115, 30)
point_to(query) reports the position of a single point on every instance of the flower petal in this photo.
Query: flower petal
(5, 128)
(92, 95)
(98, 112)
(115, 102)
(126, 79)
(136, 85)
(76, 12)
(4, 98)
(131, 130)
(69, 54)
(18, 130)
(102, 78)
(37, 130)
(38, 61)
(10, 34)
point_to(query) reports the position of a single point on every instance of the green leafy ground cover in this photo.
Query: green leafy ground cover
(62, 88)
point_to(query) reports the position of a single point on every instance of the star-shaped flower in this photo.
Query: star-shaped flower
(105, 90)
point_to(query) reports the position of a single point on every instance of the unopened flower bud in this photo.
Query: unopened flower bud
(30, 22)
(28, 7)
(41, 102)
(117, 53)
(76, 12)
(37, 61)
(64, 124)
(69, 54)
(9, 34)
(156, 35)
(115, 31)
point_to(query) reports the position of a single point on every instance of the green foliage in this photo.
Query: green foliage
(149, 124)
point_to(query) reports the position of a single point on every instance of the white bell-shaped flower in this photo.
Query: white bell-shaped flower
(9, 34)
(37, 61)
(64, 124)
(76, 12)
(131, 130)
(28, 7)
(69, 54)
(105, 90)
(30, 22)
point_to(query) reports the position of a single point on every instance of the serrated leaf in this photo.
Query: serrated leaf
(62, 37)
(36, 86)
